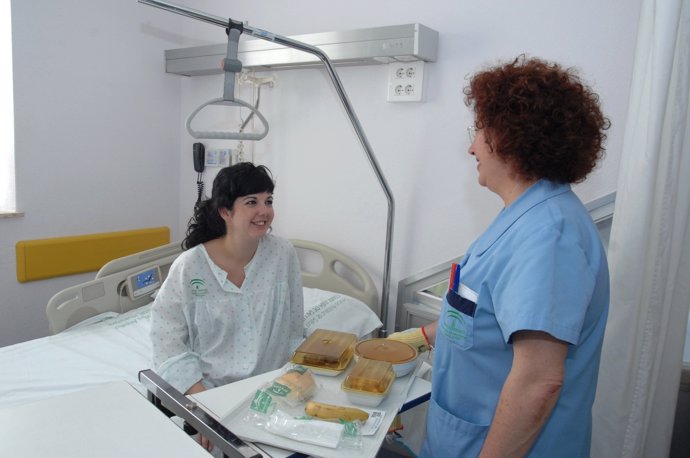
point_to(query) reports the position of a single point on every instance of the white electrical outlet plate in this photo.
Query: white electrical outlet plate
(406, 81)
(218, 157)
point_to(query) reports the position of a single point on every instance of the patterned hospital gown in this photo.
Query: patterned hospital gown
(203, 327)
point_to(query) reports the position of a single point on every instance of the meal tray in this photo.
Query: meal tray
(329, 392)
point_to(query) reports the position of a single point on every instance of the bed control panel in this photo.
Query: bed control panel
(143, 282)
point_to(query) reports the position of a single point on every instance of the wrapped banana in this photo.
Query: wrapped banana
(334, 412)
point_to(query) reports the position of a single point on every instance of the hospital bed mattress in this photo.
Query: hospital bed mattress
(113, 346)
(102, 349)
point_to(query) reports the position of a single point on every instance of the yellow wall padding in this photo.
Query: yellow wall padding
(46, 258)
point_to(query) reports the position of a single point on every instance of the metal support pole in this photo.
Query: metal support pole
(290, 43)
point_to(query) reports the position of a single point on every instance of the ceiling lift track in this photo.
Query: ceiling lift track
(285, 41)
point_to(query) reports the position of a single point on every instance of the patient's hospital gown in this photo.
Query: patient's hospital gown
(206, 328)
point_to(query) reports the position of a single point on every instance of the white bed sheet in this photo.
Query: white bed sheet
(107, 349)
(112, 347)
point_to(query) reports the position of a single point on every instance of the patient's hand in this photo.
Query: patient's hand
(198, 387)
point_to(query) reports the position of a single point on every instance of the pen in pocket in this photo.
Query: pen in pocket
(454, 278)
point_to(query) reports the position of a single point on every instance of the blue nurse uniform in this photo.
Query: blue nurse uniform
(539, 266)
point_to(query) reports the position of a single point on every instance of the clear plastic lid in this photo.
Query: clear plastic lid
(370, 377)
(327, 349)
(389, 350)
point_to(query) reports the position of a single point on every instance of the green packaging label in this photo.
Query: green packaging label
(351, 429)
(279, 389)
(261, 402)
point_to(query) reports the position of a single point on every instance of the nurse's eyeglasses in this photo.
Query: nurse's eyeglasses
(472, 132)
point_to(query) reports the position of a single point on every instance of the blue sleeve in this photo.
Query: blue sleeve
(546, 285)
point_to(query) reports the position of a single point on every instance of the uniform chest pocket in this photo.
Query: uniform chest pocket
(457, 318)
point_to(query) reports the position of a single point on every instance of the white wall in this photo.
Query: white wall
(326, 189)
(96, 135)
(101, 146)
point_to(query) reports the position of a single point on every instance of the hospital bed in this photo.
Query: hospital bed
(101, 327)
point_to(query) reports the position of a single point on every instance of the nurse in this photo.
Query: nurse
(231, 306)
(518, 340)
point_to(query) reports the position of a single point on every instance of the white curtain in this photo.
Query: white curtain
(649, 249)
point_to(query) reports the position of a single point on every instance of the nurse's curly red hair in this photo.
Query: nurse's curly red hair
(540, 117)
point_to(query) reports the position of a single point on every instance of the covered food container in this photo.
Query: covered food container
(326, 352)
(368, 382)
(401, 355)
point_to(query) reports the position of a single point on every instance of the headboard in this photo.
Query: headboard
(106, 293)
(337, 273)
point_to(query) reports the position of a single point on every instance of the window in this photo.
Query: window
(7, 183)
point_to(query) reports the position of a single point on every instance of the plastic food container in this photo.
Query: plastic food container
(368, 382)
(326, 352)
(402, 356)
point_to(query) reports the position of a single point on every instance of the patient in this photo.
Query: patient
(231, 306)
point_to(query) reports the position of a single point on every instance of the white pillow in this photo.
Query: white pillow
(337, 312)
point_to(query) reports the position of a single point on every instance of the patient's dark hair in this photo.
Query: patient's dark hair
(231, 182)
(540, 117)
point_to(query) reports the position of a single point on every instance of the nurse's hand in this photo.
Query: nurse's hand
(415, 337)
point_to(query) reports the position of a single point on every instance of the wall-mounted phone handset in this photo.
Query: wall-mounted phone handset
(199, 155)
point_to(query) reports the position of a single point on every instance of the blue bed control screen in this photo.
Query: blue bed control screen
(143, 282)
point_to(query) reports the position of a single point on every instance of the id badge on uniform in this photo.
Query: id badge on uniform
(457, 313)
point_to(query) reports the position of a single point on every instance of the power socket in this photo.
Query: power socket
(218, 157)
(406, 81)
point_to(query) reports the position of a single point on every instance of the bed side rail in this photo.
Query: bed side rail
(103, 294)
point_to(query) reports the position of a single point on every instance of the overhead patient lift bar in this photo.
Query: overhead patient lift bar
(285, 41)
(230, 66)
